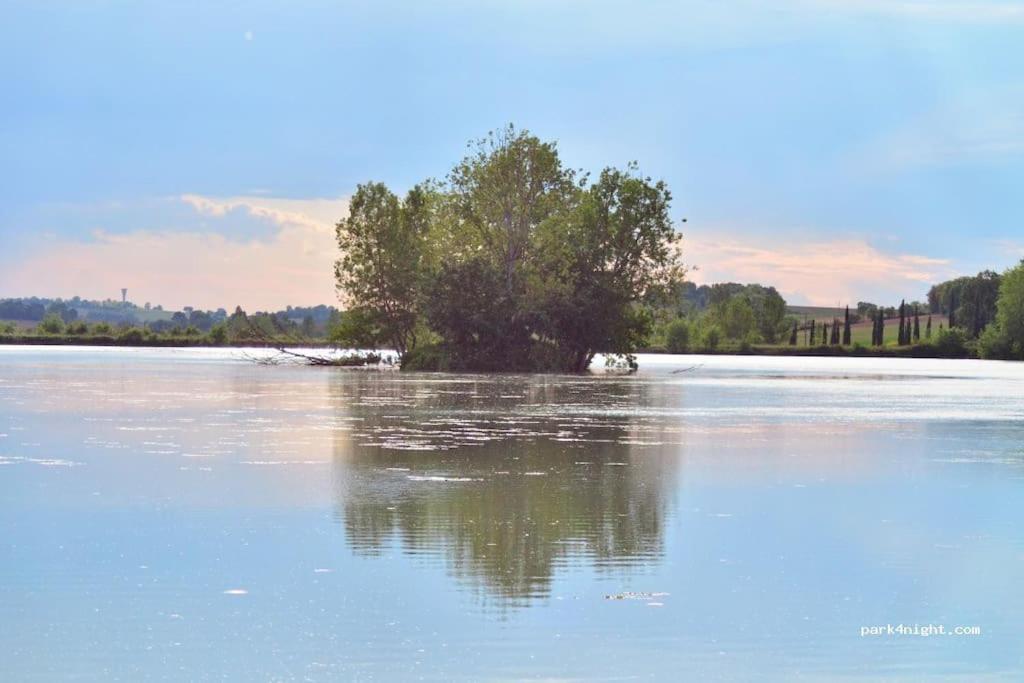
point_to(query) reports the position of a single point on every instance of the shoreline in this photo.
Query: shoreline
(917, 351)
(154, 343)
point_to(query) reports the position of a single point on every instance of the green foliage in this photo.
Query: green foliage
(51, 324)
(218, 334)
(595, 262)
(995, 343)
(356, 328)
(131, 335)
(951, 343)
(769, 311)
(427, 358)
(261, 328)
(711, 337)
(1010, 306)
(1005, 338)
(867, 310)
(469, 308)
(677, 336)
(382, 242)
(969, 301)
(239, 327)
(767, 320)
(737, 318)
(513, 264)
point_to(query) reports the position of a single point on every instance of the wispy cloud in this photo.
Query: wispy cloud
(970, 11)
(1010, 247)
(292, 262)
(814, 272)
(978, 126)
(200, 268)
(599, 25)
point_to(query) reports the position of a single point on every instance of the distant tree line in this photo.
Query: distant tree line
(119, 320)
(977, 315)
(727, 314)
(969, 302)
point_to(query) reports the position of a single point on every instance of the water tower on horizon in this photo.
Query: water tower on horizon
(124, 296)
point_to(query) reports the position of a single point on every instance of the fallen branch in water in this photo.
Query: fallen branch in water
(351, 360)
(348, 360)
(689, 369)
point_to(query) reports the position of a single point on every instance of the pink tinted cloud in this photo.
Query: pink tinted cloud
(813, 272)
(201, 269)
(295, 264)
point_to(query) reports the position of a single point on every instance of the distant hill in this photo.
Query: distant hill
(819, 313)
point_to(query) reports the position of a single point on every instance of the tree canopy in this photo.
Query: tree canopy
(1005, 337)
(513, 262)
(970, 301)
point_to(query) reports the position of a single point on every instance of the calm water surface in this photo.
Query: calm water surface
(190, 515)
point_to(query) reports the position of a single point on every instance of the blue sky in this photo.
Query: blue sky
(198, 153)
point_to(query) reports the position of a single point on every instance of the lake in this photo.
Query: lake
(192, 515)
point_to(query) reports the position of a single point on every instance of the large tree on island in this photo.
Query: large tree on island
(515, 262)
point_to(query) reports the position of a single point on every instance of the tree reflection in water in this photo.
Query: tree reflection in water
(505, 478)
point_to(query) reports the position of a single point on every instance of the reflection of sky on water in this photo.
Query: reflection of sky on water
(178, 515)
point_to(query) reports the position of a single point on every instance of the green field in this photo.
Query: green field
(861, 332)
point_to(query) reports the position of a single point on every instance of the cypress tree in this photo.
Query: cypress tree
(835, 332)
(881, 328)
(928, 329)
(824, 334)
(792, 335)
(906, 324)
(917, 325)
(811, 343)
(901, 339)
(846, 328)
